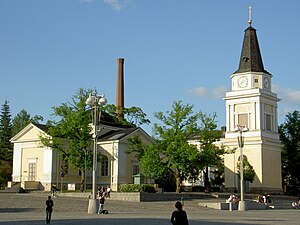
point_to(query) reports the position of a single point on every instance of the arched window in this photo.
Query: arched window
(104, 165)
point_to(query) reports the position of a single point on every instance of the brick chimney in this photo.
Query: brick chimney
(120, 88)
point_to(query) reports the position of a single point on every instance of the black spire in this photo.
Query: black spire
(251, 60)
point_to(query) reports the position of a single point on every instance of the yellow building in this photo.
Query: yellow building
(39, 167)
(251, 103)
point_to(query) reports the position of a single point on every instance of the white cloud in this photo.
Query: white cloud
(204, 92)
(288, 95)
(115, 4)
(86, 1)
(199, 91)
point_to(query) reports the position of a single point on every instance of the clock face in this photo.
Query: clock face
(243, 82)
(266, 83)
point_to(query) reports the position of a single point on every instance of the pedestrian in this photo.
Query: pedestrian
(108, 189)
(49, 209)
(100, 191)
(101, 204)
(179, 216)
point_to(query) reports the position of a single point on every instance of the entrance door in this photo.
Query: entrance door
(31, 171)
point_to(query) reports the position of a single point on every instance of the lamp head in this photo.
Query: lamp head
(90, 100)
(102, 101)
(241, 128)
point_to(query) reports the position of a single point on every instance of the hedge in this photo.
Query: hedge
(137, 188)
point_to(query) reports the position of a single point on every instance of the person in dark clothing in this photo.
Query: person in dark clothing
(101, 205)
(179, 216)
(49, 209)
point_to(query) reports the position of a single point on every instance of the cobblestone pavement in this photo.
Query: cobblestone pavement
(28, 209)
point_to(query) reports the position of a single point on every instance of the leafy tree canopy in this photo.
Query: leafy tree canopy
(249, 172)
(71, 133)
(22, 119)
(289, 133)
(172, 151)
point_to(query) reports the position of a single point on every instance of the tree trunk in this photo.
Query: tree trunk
(206, 180)
(82, 181)
(178, 181)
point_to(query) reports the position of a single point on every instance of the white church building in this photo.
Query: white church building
(251, 103)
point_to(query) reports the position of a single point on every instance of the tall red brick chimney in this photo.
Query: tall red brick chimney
(120, 88)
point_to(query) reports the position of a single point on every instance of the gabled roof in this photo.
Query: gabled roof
(114, 135)
(251, 60)
(42, 127)
(25, 130)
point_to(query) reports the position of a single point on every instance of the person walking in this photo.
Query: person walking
(179, 216)
(49, 209)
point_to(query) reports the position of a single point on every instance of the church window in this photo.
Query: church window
(256, 81)
(268, 117)
(243, 119)
(104, 165)
(268, 122)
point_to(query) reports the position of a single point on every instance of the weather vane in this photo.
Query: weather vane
(250, 15)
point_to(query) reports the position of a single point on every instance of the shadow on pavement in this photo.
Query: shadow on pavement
(128, 221)
(16, 210)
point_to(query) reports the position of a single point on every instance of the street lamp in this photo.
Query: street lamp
(95, 102)
(241, 129)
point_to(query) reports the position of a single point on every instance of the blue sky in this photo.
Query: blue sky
(173, 50)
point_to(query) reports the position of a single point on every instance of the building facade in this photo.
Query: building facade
(38, 167)
(251, 103)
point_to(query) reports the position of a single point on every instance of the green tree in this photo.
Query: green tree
(249, 172)
(133, 116)
(70, 135)
(6, 147)
(210, 153)
(289, 133)
(177, 156)
(5, 173)
(172, 151)
(22, 119)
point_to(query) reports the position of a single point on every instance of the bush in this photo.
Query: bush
(137, 188)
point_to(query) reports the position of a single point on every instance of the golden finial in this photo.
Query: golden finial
(250, 15)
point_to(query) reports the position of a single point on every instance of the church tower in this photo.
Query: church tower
(252, 104)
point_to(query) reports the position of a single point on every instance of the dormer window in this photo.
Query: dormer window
(245, 59)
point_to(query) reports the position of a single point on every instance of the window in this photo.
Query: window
(268, 122)
(104, 166)
(256, 80)
(269, 116)
(135, 169)
(243, 119)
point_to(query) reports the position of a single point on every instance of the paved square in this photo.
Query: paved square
(29, 209)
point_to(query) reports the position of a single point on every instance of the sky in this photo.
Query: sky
(173, 50)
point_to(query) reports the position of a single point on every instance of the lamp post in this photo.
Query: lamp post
(95, 102)
(241, 129)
